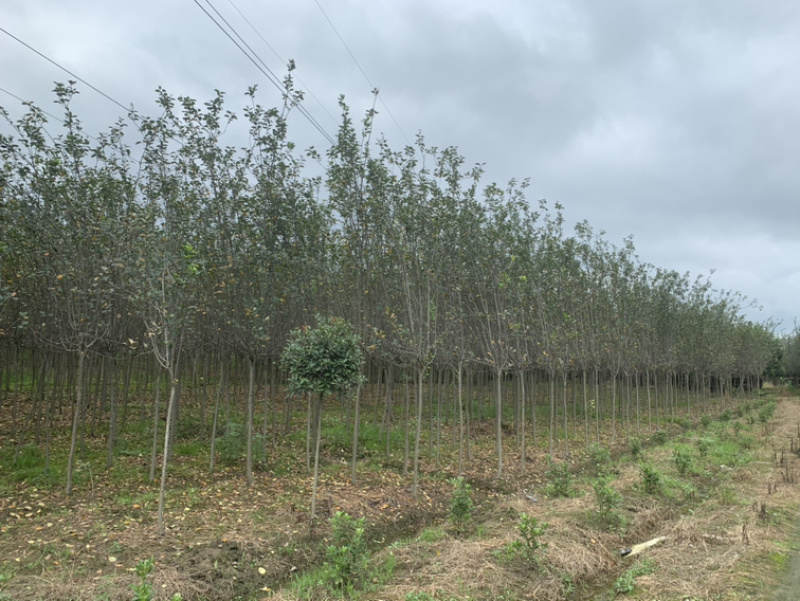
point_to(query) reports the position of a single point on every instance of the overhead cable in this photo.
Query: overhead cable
(127, 109)
(280, 58)
(265, 70)
(375, 89)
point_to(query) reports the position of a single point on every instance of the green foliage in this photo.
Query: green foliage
(705, 420)
(461, 505)
(725, 416)
(659, 437)
(30, 456)
(703, 446)
(143, 590)
(529, 547)
(627, 582)
(337, 437)
(683, 460)
(560, 480)
(608, 501)
(231, 445)
(650, 479)
(6, 574)
(636, 447)
(599, 459)
(531, 531)
(431, 535)
(29, 464)
(766, 412)
(420, 596)
(732, 452)
(323, 359)
(347, 559)
(194, 448)
(187, 428)
(687, 488)
(746, 442)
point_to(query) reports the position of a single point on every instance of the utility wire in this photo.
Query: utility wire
(23, 101)
(265, 70)
(275, 52)
(375, 88)
(127, 109)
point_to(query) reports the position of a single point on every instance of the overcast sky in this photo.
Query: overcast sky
(676, 122)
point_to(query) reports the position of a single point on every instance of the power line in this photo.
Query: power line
(275, 52)
(78, 78)
(375, 88)
(265, 70)
(23, 101)
(341, 39)
(49, 114)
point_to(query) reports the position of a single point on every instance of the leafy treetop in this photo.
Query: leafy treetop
(323, 359)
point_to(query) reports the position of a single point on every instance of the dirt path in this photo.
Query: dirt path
(790, 590)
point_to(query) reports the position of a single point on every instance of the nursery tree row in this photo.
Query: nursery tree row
(186, 247)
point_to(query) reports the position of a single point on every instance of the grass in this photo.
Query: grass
(431, 535)
(627, 582)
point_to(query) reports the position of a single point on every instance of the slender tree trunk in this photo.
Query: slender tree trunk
(387, 413)
(318, 434)
(627, 393)
(597, 403)
(112, 413)
(251, 385)
(174, 391)
(460, 420)
(585, 408)
(522, 403)
(310, 433)
(204, 379)
(566, 411)
(655, 396)
(76, 420)
(126, 390)
(100, 390)
(638, 404)
(552, 388)
(614, 407)
(418, 433)
(222, 389)
(356, 422)
(407, 421)
(40, 395)
(156, 420)
(470, 412)
(268, 393)
(48, 433)
(175, 413)
(498, 408)
(534, 381)
(439, 397)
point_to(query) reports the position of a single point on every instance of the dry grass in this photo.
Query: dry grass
(725, 550)
(726, 546)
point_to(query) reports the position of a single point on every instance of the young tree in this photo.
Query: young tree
(322, 360)
(70, 204)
